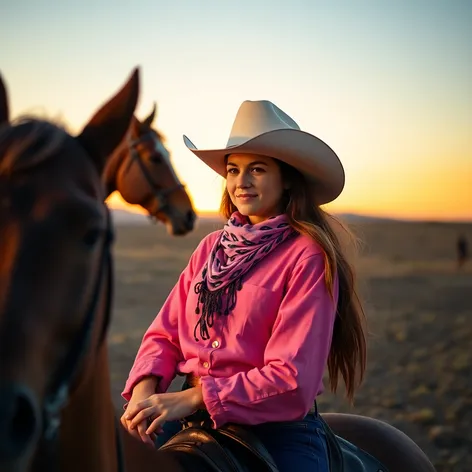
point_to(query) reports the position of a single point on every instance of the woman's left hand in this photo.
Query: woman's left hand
(162, 407)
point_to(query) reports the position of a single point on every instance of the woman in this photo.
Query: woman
(263, 305)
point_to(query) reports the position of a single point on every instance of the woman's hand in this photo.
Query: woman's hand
(141, 392)
(162, 407)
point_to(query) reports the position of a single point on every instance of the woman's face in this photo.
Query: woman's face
(255, 185)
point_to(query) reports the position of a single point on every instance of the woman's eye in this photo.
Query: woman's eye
(231, 171)
(257, 169)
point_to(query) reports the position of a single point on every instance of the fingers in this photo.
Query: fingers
(141, 428)
(138, 432)
(123, 420)
(143, 415)
(134, 433)
(156, 425)
(133, 410)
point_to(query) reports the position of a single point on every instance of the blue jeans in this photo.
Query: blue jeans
(294, 445)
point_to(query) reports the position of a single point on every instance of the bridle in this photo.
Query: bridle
(60, 387)
(161, 195)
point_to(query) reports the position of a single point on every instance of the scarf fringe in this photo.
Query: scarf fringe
(217, 302)
(232, 256)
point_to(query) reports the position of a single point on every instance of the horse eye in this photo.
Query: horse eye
(156, 158)
(91, 237)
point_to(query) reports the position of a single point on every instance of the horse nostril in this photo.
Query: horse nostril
(18, 422)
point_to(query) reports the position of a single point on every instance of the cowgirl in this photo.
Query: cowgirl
(263, 305)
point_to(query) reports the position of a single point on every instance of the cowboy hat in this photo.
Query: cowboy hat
(260, 127)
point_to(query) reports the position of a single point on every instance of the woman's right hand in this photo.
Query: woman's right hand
(141, 391)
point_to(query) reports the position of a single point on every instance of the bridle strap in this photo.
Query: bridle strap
(160, 194)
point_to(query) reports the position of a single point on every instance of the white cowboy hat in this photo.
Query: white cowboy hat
(260, 127)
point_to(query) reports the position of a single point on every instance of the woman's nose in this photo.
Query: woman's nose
(244, 180)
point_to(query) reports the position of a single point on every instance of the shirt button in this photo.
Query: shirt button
(215, 344)
(206, 364)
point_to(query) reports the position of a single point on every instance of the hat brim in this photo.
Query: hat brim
(307, 153)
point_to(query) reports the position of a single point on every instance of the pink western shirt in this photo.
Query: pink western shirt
(265, 361)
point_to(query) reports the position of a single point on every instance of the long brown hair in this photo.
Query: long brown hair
(347, 355)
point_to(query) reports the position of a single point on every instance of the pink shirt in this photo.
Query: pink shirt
(265, 361)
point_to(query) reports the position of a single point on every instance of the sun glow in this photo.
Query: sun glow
(396, 108)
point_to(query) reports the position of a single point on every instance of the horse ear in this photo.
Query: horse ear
(148, 121)
(108, 126)
(4, 112)
(135, 128)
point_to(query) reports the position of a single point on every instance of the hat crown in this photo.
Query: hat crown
(258, 117)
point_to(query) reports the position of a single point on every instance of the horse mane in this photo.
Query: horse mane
(28, 142)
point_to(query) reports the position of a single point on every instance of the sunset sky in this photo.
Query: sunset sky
(387, 84)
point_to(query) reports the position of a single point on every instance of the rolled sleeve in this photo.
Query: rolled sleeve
(160, 351)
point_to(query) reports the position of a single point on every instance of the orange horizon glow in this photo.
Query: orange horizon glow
(396, 108)
(115, 201)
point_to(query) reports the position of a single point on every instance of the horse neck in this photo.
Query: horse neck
(88, 432)
(112, 167)
(87, 438)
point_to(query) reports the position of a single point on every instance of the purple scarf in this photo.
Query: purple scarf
(240, 247)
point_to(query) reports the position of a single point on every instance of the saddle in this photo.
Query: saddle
(234, 448)
(231, 448)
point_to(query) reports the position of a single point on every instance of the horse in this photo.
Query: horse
(141, 171)
(55, 400)
(56, 410)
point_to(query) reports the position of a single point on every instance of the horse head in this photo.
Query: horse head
(55, 240)
(141, 170)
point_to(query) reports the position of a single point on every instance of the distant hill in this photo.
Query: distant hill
(121, 216)
(124, 217)
(353, 218)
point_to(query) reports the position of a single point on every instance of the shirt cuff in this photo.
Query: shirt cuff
(212, 401)
(146, 369)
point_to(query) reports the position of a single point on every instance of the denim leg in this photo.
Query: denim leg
(296, 445)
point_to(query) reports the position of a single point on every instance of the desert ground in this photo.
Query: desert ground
(419, 310)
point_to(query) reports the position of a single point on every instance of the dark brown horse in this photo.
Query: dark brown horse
(55, 290)
(55, 282)
(141, 170)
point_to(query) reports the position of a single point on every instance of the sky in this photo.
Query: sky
(387, 84)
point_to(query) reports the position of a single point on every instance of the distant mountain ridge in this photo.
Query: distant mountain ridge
(121, 216)
(125, 217)
(358, 218)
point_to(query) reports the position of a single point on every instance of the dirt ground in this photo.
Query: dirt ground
(419, 309)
